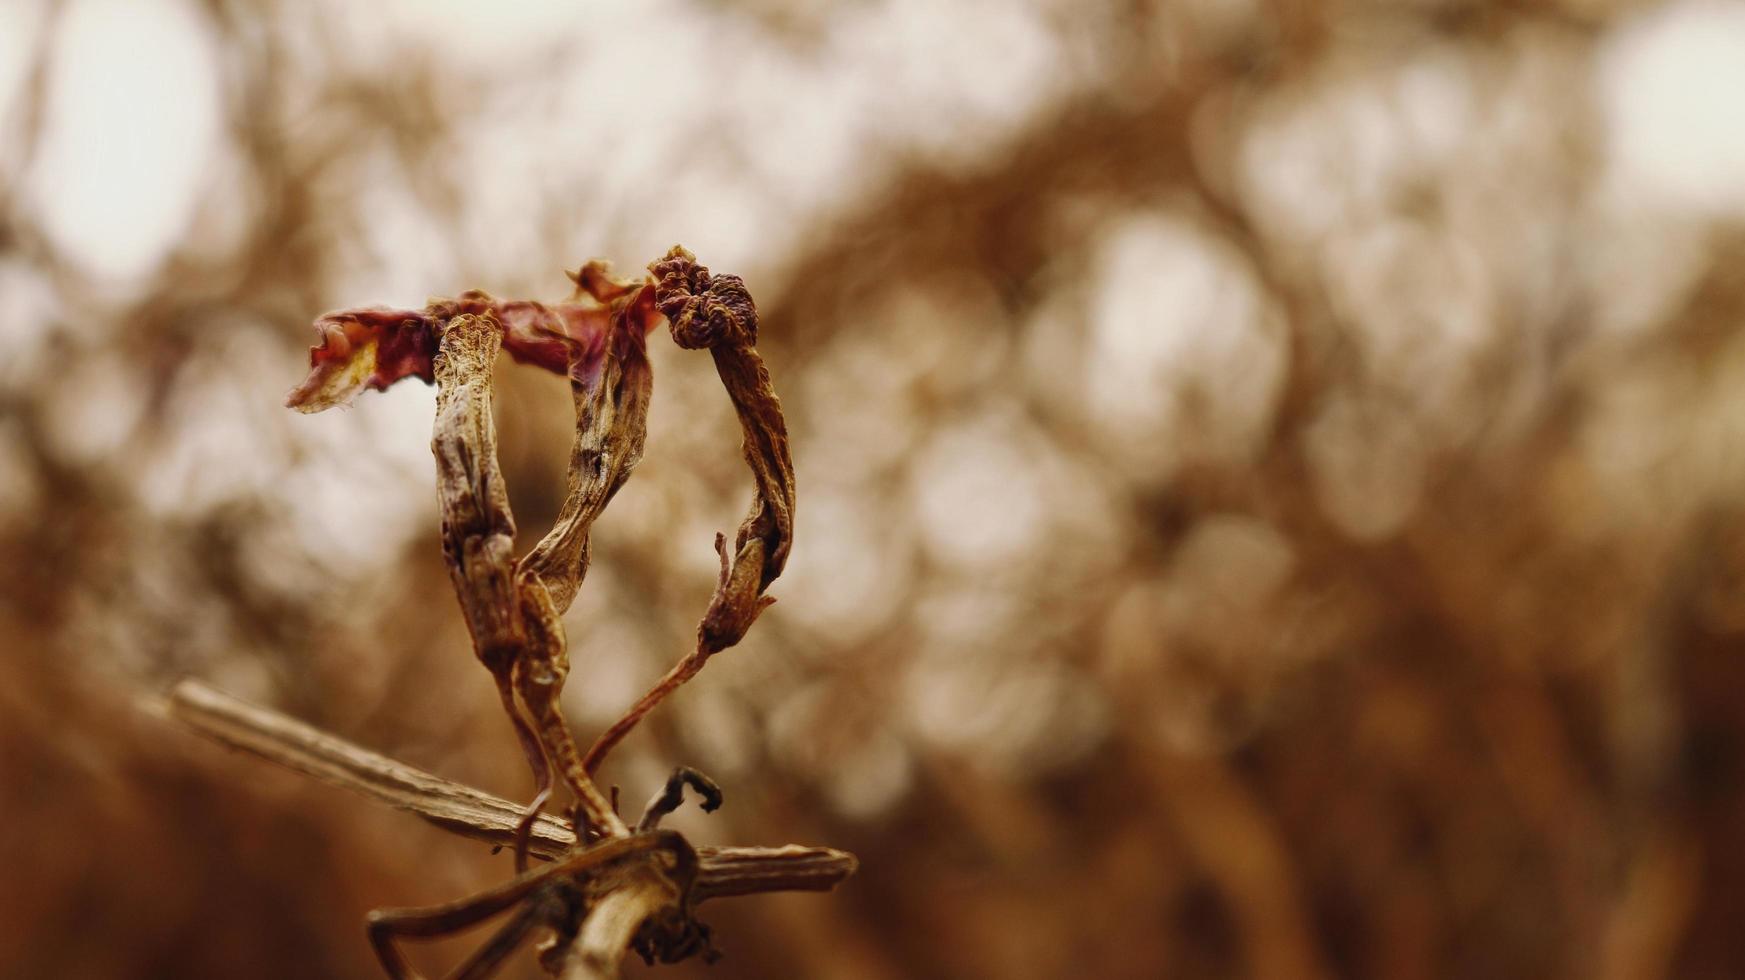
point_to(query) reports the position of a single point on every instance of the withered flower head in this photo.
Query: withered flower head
(377, 346)
(702, 310)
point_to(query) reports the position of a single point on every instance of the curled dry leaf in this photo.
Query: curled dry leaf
(717, 312)
(611, 399)
(611, 394)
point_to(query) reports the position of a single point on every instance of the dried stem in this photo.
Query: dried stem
(718, 313)
(675, 678)
(468, 812)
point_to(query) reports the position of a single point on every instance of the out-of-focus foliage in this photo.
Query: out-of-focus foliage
(1270, 472)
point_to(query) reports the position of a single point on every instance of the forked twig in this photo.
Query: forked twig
(631, 892)
(659, 865)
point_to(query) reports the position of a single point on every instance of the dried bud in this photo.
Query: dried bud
(703, 310)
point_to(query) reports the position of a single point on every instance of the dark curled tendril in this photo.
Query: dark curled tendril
(673, 794)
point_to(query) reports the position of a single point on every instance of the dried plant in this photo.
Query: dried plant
(1370, 402)
(512, 608)
(619, 887)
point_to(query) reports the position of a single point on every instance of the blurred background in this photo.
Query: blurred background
(1272, 473)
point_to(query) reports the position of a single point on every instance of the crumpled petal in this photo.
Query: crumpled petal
(376, 346)
(367, 348)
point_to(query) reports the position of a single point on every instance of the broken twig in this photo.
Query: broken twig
(460, 809)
